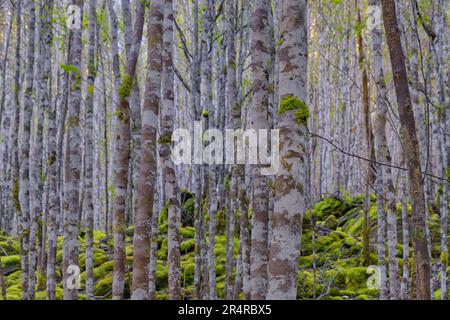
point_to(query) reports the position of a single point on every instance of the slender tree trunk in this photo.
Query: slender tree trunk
(124, 158)
(289, 182)
(370, 175)
(5, 143)
(234, 123)
(47, 109)
(36, 157)
(15, 165)
(153, 253)
(209, 116)
(261, 49)
(405, 282)
(53, 206)
(411, 150)
(147, 178)
(73, 161)
(24, 183)
(387, 193)
(116, 71)
(170, 181)
(88, 205)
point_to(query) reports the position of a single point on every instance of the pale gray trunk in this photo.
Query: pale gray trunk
(24, 183)
(292, 121)
(261, 56)
(72, 167)
(383, 156)
(406, 280)
(148, 160)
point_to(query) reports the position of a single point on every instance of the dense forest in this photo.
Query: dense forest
(224, 149)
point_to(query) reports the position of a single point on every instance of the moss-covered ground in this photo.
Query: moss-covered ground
(338, 274)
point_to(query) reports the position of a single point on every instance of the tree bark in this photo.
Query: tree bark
(24, 183)
(88, 205)
(147, 178)
(124, 158)
(411, 151)
(261, 50)
(289, 182)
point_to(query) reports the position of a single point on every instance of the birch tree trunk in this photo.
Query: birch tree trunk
(292, 122)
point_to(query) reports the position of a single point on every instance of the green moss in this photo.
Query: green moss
(205, 113)
(99, 257)
(14, 292)
(227, 183)
(9, 247)
(437, 295)
(162, 252)
(74, 121)
(104, 269)
(305, 280)
(103, 287)
(444, 258)
(187, 232)
(126, 86)
(11, 262)
(41, 280)
(306, 261)
(15, 194)
(187, 272)
(330, 222)
(98, 236)
(189, 206)
(14, 278)
(165, 140)
(161, 274)
(187, 246)
(164, 214)
(292, 103)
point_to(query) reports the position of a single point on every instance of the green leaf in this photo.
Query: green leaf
(69, 68)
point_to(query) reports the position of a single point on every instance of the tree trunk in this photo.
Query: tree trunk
(88, 205)
(170, 182)
(24, 183)
(73, 160)
(387, 193)
(261, 50)
(411, 150)
(292, 122)
(147, 176)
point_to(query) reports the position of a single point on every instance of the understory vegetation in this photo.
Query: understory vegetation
(339, 273)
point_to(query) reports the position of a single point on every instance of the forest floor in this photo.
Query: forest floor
(339, 273)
